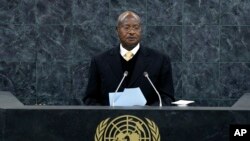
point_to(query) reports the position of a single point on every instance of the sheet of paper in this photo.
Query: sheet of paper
(115, 96)
(130, 97)
(182, 102)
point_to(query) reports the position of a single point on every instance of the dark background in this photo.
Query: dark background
(46, 46)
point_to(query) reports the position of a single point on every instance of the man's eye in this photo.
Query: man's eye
(136, 27)
(126, 27)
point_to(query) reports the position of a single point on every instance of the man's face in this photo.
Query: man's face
(129, 32)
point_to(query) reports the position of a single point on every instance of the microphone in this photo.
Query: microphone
(146, 75)
(125, 74)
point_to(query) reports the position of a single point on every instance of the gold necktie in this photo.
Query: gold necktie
(129, 55)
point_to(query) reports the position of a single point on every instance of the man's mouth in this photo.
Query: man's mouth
(131, 38)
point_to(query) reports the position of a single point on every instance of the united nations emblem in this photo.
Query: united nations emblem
(127, 128)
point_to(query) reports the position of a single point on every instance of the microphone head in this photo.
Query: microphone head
(125, 73)
(145, 74)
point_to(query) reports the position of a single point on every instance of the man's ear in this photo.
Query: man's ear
(116, 29)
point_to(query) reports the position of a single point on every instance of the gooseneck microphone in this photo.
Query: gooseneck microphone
(125, 74)
(146, 75)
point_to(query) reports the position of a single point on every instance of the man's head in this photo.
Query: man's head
(129, 29)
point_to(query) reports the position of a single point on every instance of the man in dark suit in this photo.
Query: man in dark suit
(107, 69)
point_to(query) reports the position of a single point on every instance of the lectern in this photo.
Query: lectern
(93, 123)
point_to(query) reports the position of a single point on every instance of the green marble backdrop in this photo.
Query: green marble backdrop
(46, 46)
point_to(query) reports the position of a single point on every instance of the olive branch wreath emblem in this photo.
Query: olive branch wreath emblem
(100, 130)
(155, 135)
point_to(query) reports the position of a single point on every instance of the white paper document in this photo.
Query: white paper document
(182, 102)
(115, 96)
(129, 97)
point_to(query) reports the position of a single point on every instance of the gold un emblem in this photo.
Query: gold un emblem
(127, 128)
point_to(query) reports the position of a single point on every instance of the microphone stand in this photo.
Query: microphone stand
(125, 74)
(146, 75)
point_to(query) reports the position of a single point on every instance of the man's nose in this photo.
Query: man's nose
(131, 31)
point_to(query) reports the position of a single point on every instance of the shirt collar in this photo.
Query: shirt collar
(123, 51)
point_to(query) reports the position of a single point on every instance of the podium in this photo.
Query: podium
(92, 123)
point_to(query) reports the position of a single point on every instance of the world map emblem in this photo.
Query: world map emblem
(127, 128)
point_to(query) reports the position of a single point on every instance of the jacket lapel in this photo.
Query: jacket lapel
(115, 63)
(142, 62)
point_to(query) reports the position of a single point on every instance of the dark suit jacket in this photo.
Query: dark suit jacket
(106, 73)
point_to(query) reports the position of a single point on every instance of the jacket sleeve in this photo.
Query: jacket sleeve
(92, 95)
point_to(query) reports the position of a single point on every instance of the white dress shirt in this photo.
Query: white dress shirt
(123, 51)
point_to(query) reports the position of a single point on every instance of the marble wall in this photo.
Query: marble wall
(46, 45)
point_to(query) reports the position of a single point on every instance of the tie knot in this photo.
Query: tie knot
(128, 56)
